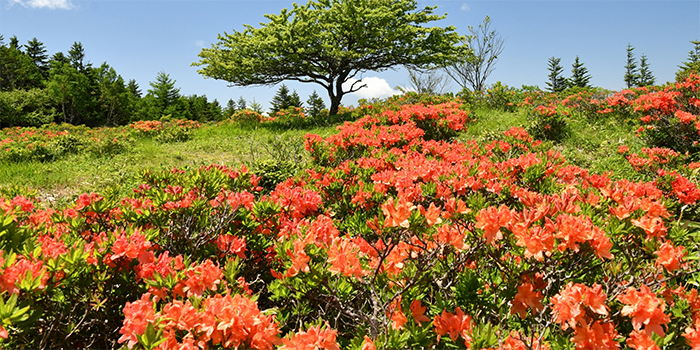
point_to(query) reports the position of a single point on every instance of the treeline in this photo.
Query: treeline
(36, 89)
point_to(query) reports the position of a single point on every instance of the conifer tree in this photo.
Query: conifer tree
(557, 82)
(165, 93)
(645, 78)
(315, 105)
(692, 65)
(76, 56)
(36, 50)
(579, 75)
(283, 100)
(242, 104)
(231, 107)
(631, 70)
(134, 88)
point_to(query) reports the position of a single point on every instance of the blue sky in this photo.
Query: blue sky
(139, 38)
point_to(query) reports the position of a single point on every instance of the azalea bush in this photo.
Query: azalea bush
(166, 131)
(51, 142)
(397, 236)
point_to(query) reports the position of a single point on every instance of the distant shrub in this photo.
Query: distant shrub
(547, 123)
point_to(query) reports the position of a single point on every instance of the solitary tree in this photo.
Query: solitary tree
(473, 68)
(328, 42)
(557, 82)
(645, 77)
(579, 75)
(631, 70)
(693, 63)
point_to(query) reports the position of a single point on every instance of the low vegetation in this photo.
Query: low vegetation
(506, 219)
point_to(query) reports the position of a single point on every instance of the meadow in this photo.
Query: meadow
(507, 220)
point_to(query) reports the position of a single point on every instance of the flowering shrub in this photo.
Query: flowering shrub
(53, 141)
(176, 130)
(393, 240)
(548, 123)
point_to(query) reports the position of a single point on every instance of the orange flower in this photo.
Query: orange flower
(526, 297)
(645, 308)
(448, 234)
(669, 256)
(595, 336)
(692, 335)
(418, 312)
(491, 220)
(368, 344)
(342, 255)
(653, 226)
(313, 339)
(300, 261)
(396, 213)
(457, 324)
(432, 214)
(641, 341)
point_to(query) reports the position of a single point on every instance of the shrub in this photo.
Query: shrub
(547, 123)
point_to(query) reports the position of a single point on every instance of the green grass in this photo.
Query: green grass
(61, 181)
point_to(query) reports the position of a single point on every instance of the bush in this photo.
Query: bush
(547, 123)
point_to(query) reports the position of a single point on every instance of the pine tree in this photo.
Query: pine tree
(242, 104)
(631, 71)
(165, 93)
(295, 100)
(231, 108)
(579, 75)
(36, 50)
(645, 78)
(283, 100)
(134, 88)
(58, 59)
(316, 105)
(692, 65)
(557, 82)
(76, 56)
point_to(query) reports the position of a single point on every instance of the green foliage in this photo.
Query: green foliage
(17, 68)
(167, 96)
(25, 108)
(340, 39)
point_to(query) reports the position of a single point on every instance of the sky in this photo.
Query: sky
(140, 38)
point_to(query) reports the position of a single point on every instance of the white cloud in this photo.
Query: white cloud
(376, 87)
(51, 4)
(465, 7)
(199, 43)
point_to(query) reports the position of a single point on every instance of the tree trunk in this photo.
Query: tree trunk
(335, 101)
